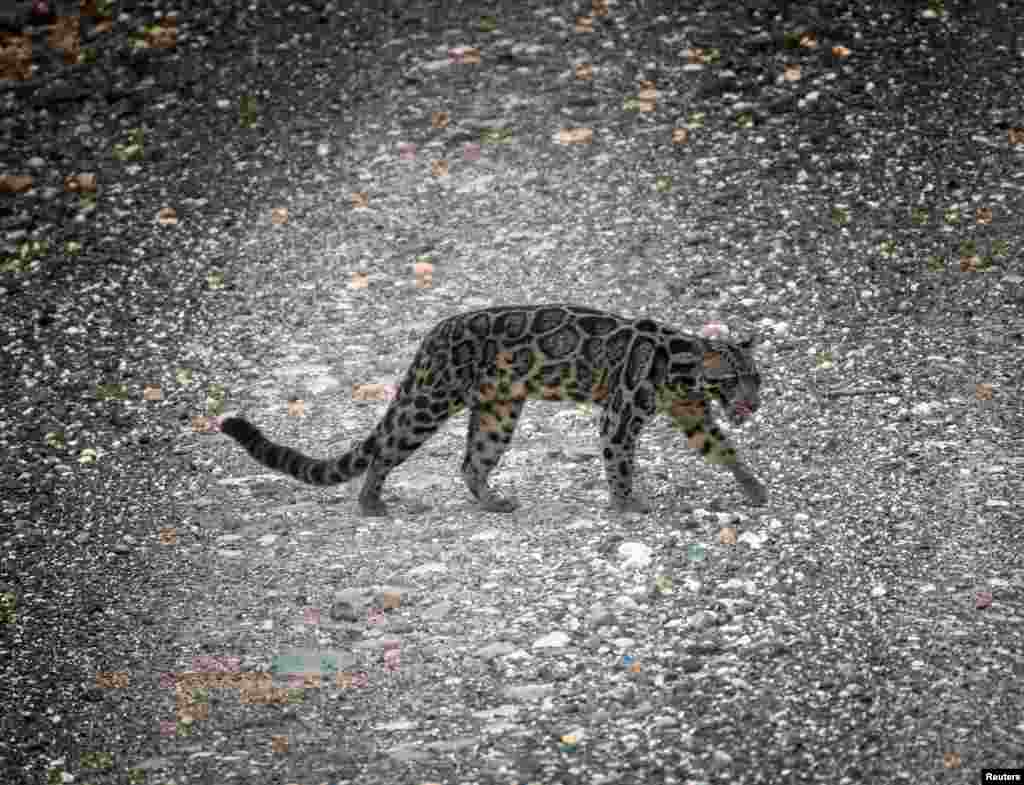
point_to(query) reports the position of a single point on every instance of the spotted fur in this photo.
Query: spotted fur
(491, 361)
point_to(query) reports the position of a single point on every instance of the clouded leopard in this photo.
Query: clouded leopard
(490, 361)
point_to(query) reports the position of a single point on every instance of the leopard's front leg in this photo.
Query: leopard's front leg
(693, 417)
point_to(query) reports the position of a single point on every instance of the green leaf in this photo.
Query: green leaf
(97, 760)
(12, 264)
(247, 109)
(111, 392)
(495, 135)
(8, 603)
(215, 395)
(128, 152)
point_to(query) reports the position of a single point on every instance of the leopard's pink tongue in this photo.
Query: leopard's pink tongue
(743, 409)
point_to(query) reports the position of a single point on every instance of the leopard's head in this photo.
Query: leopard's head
(730, 375)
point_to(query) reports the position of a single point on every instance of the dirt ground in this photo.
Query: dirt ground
(262, 207)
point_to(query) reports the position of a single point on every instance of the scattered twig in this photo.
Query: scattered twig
(821, 396)
(859, 391)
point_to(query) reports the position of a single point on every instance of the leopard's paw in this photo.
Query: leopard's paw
(372, 508)
(497, 503)
(631, 503)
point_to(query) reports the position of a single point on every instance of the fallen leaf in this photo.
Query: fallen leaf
(80, 183)
(64, 37)
(424, 274)
(969, 264)
(164, 34)
(575, 136)
(167, 216)
(369, 392)
(15, 56)
(15, 183)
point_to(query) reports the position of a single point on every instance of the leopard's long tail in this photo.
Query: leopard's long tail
(330, 471)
